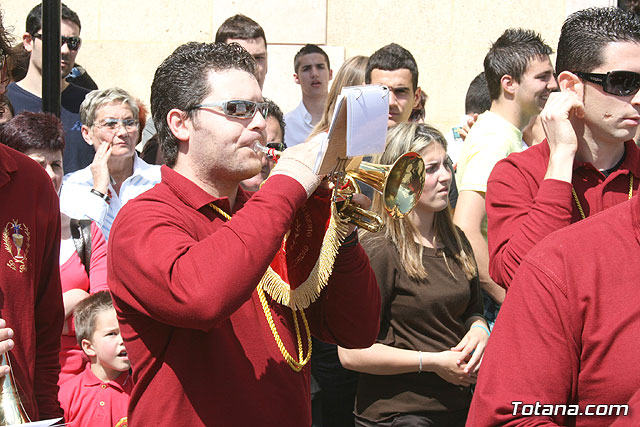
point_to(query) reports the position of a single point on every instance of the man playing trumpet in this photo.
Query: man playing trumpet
(208, 343)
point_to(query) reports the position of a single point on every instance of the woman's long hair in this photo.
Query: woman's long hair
(401, 139)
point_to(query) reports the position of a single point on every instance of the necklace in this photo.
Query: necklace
(305, 294)
(575, 196)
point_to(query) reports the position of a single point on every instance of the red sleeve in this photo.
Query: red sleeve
(348, 311)
(98, 264)
(170, 273)
(519, 216)
(49, 315)
(531, 357)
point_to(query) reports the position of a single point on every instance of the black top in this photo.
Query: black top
(424, 315)
(77, 153)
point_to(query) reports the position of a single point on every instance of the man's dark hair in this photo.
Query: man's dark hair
(307, 50)
(276, 113)
(33, 131)
(34, 18)
(477, 99)
(182, 82)
(392, 57)
(586, 33)
(510, 55)
(239, 27)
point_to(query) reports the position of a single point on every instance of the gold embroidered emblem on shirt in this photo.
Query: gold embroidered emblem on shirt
(16, 239)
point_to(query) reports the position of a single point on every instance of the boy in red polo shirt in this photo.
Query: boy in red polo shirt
(100, 395)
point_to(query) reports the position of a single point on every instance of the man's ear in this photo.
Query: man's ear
(296, 78)
(416, 97)
(27, 42)
(508, 84)
(330, 74)
(177, 121)
(87, 347)
(569, 82)
(86, 134)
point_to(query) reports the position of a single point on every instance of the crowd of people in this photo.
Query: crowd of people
(200, 282)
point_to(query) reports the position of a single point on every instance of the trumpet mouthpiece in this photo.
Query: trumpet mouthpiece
(270, 152)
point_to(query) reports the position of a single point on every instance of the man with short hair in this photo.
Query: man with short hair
(249, 34)
(395, 67)
(520, 77)
(27, 93)
(564, 345)
(588, 162)
(312, 71)
(198, 306)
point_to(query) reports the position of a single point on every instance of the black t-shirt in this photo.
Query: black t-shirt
(77, 153)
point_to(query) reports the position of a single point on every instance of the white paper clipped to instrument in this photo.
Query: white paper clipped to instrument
(44, 423)
(358, 126)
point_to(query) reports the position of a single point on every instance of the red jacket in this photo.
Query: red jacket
(183, 281)
(523, 207)
(30, 292)
(567, 332)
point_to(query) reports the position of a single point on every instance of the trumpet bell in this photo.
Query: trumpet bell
(400, 184)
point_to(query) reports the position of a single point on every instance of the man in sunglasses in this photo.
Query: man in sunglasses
(27, 93)
(588, 162)
(564, 344)
(187, 258)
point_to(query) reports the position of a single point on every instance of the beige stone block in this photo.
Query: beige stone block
(283, 21)
(130, 66)
(158, 22)
(448, 39)
(279, 84)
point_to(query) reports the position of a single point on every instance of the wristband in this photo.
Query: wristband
(419, 362)
(481, 326)
(103, 196)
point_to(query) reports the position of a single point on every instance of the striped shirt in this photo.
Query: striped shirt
(77, 201)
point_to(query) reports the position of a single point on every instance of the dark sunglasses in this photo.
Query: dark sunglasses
(278, 146)
(73, 43)
(238, 108)
(619, 83)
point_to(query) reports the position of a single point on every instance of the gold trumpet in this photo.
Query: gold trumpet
(399, 184)
(11, 409)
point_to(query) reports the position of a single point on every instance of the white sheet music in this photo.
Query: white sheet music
(367, 111)
(43, 423)
(367, 114)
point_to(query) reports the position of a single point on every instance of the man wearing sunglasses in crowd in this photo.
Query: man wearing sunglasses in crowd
(27, 93)
(587, 163)
(571, 316)
(187, 256)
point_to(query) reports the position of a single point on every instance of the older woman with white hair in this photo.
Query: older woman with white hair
(110, 124)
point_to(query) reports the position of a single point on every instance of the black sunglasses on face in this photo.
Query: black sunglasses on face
(278, 146)
(73, 43)
(619, 83)
(238, 108)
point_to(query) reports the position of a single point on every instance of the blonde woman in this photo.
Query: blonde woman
(432, 333)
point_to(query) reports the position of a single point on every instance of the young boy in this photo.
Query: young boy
(312, 71)
(100, 395)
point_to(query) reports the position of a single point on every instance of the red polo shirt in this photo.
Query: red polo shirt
(87, 401)
(567, 332)
(523, 207)
(30, 291)
(183, 281)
